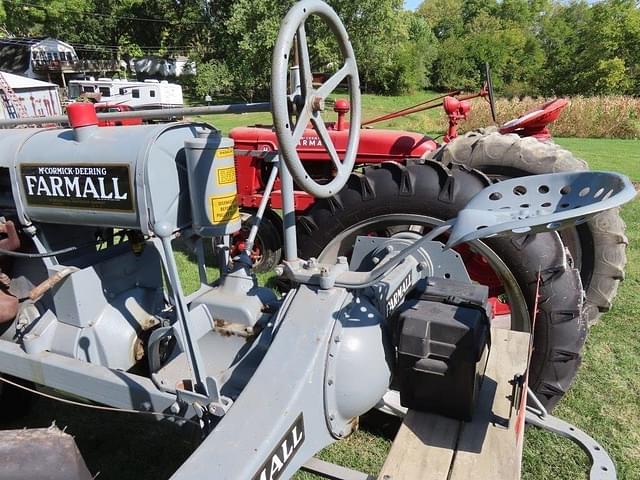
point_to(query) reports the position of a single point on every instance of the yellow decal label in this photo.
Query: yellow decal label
(226, 175)
(224, 209)
(224, 152)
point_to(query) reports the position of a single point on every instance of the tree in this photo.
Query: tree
(394, 48)
(592, 49)
(444, 16)
(249, 37)
(472, 32)
(546, 46)
(608, 59)
(214, 78)
(560, 39)
(612, 77)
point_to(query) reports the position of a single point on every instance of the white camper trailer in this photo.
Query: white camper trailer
(148, 94)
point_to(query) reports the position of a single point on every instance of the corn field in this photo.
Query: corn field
(586, 117)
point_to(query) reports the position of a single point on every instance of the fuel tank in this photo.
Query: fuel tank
(132, 177)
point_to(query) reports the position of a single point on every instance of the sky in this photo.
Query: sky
(412, 4)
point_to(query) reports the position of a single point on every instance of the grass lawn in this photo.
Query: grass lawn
(607, 154)
(604, 401)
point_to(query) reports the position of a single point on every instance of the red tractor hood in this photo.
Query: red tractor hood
(375, 145)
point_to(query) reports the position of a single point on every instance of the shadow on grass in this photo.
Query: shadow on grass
(114, 445)
(126, 446)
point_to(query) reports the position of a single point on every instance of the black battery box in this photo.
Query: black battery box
(443, 342)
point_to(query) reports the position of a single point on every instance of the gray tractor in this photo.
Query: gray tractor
(92, 302)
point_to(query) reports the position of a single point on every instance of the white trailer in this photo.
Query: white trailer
(137, 95)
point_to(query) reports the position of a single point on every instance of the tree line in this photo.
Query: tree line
(533, 46)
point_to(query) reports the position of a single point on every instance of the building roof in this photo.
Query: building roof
(48, 41)
(18, 82)
(32, 41)
(27, 41)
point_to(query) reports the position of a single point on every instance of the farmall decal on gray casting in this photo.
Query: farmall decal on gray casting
(93, 304)
(283, 453)
(78, 186)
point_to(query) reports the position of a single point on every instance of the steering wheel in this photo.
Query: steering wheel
(307, 103)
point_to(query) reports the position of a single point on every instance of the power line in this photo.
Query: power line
(120, 17)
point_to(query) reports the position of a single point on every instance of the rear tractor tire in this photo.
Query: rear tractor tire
(393, 199)
(597, 247)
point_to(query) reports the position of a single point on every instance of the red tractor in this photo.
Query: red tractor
(406, 183)
(256, 143)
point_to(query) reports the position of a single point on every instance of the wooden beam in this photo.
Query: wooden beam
(423, 448)
(490, 446)
(432, 447)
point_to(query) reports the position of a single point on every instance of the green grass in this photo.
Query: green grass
(607, 154)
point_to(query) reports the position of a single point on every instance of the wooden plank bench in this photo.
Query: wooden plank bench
(433, 447)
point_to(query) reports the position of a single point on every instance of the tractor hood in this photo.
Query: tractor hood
(375, 145)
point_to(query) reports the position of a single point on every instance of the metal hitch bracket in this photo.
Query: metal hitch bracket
(602, 467)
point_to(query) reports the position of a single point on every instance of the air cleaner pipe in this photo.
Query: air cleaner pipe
(83, 120)
(156, 114)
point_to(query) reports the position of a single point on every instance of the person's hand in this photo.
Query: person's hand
(12, 241)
